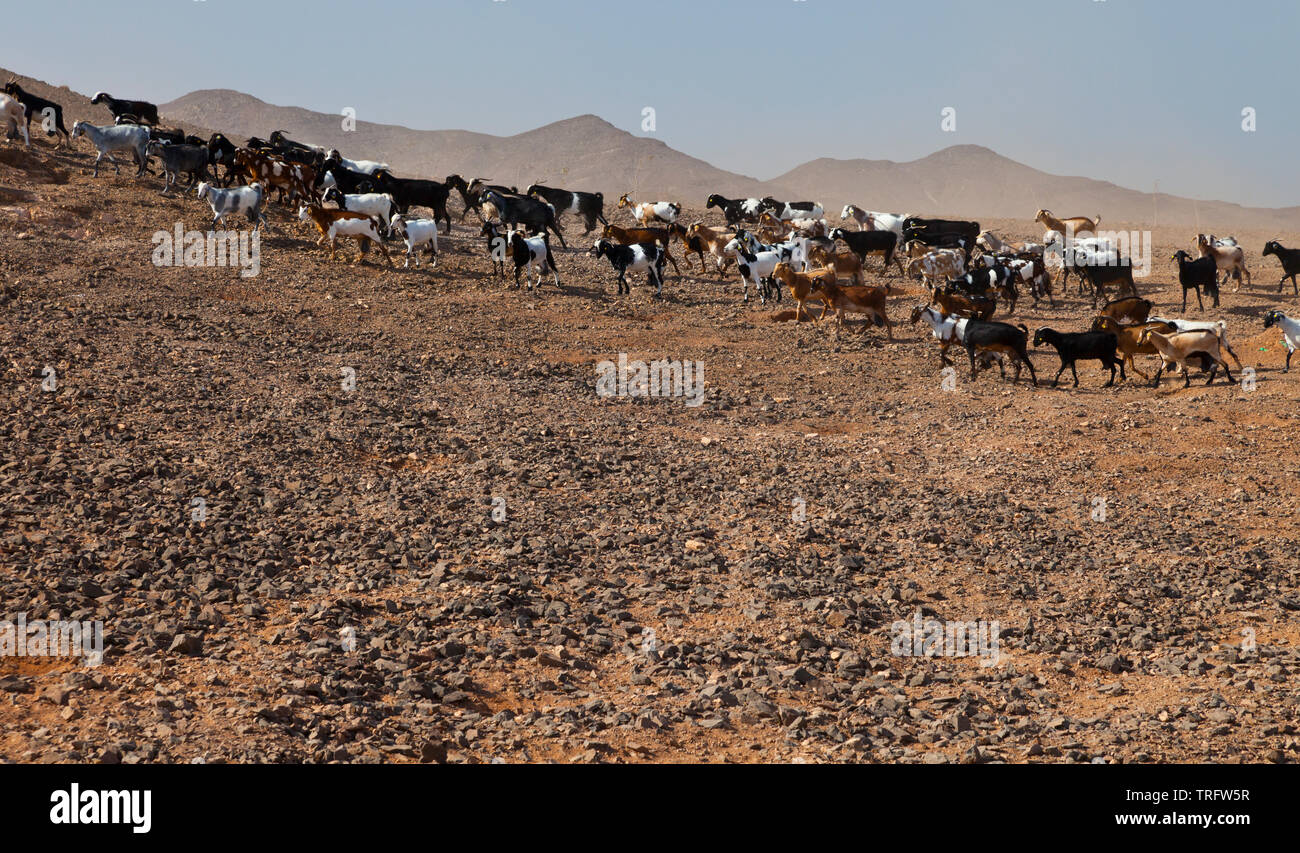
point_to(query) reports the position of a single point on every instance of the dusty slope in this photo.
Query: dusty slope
(522, 638)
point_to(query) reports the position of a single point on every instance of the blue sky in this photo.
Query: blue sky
(1130, 91)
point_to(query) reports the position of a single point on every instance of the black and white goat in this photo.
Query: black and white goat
(590, 206)
(786, 210)
(736, 210)
(143, 111)
(638, 257)
(51, 114)
(419, 234)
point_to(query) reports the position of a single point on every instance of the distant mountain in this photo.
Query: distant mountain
(584, 153)
(970, 180)
(589, 153)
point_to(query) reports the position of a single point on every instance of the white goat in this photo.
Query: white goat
(418, 234)
(110, 138)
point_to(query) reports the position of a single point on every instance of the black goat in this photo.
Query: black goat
(1200, 274)
(51, 113)
(143, 111)
(736, 210)
(863, 243)
(1076, 346)
(942, 233)
(411, 191)
(1290, 260)
(991, 336)
(496, 247)
(221, 151)
(171, 135)
(590, 206)
(1100, 275)
(514, 210)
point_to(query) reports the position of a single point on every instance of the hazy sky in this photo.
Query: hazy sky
(1130, 91)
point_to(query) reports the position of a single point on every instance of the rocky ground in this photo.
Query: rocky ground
(1138, 547)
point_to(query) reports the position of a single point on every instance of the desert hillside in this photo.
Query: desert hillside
(588, 153)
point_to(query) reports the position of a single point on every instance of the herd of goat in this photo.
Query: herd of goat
(774, 245)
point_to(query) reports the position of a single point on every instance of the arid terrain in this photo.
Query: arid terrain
(502, 541)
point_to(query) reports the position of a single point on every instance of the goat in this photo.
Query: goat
(538, 216)
(333, 224)
(379, 205)
(470, 192)
(291, 180)
(1076, 346)
(846, 265)
(1290, 333)
(365, 167)
(1219, 327)
(993, 281)
(1290, 260)
(1001, 338)
(50, 112)
(937, 265)
(590, 206)
(1229, 260)
(859, 300)
(143, 111)
(856, 214)
(1180, 347)
(863, 243)
(947, 330)
(650, 211)
(1200, 274)
(755, 266)
(1071, 225)
(1102, 271)
(221, 151)
(419, 234)
(407, 192)
(1128, 311)
(191, 159)
(942, 233)
(1127, 337)
(691, 244)
(647, 257)
(526, 251)
(785, 210)
(337, 175)
(248, 200)
(735, 210)
(715, 243)
(110, 138)
(803, 285)
(632, 236)
(13, 115)
(886, 222)
(975, 307)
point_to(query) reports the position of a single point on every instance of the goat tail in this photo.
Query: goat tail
(1023, 328)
